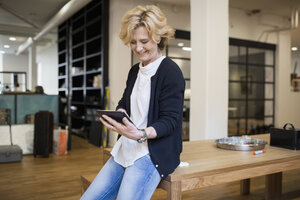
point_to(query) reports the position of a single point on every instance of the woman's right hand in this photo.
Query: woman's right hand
(126, 129)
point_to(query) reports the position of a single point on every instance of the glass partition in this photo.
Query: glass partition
(251, 87)
(24, 105)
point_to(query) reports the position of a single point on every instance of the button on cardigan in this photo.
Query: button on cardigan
(165, 113)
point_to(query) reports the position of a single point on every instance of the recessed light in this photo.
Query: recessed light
(294, 48)
(3, 52)
(186, 48)
(180, 44)
(12, 38)
(6, 46)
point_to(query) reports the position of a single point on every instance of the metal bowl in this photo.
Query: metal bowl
(243, 143)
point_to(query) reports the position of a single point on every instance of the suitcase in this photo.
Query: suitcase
(10, 153)
(43, 133)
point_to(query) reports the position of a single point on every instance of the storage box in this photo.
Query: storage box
(285, 138)
(10, 153)
(60, 141)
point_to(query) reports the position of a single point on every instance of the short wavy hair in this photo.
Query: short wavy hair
(152, 18)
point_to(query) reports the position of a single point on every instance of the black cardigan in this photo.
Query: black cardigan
(165, 113)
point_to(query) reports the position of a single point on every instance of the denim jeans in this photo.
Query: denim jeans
(137, 181)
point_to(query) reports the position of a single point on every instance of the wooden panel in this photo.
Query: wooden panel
(273, 186)
(174, 192)
(245, 187)
(86, 180)
(236, 175)
(106, 154)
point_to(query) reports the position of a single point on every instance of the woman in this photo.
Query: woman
(149, 149)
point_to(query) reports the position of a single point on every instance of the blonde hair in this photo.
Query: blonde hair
(152, 18)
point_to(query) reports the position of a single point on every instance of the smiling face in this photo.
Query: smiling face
(143, 46)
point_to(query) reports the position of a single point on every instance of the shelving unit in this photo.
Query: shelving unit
(83, 65)
(63, 73)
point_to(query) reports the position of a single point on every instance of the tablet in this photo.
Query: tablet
(116, 115)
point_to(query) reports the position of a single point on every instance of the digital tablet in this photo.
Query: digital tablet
(116, 115)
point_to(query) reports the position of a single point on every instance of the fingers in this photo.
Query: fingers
(123, 110)
(105, 123)
(126, 122)
(110, 120)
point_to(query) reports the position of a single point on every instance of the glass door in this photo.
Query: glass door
(251, 87)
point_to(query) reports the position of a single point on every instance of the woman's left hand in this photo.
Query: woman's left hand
(127, 129)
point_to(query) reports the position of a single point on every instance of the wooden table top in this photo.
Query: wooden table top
(206, 159)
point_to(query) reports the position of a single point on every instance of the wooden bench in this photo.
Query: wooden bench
(210, 166)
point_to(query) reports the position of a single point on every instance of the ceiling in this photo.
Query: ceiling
(24, 18)
(275, 7)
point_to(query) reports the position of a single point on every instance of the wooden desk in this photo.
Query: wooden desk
(209, 165)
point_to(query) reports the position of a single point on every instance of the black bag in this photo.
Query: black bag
(285, 138)
(43, 133)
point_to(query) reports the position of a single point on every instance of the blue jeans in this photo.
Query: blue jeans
(137, 181)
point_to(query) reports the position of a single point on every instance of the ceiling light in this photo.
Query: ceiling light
(180, 44)
(186, 48)
(3, 52)
(6, 46)
(294, 48)
(12, 38)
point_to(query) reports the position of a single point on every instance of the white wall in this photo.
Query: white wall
(254, 28)
(47, 60)
(120, 55)
(1, 62)
(15, 63)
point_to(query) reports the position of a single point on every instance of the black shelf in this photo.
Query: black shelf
(93, 88)
(83, 64)
(77, 59)
(62, 52)
(93, 55)
(94, 38)
(94, 20)
(78, 103)
(78, 74)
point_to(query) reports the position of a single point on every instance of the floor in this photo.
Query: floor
(58, 177)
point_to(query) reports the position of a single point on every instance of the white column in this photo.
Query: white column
(287, 107)
(32, 68)
(1, 75)
(209, 69)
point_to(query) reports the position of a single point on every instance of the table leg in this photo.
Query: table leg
(245, 186)
(174, 191)
(273, 186)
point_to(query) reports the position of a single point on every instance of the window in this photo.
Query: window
(251, 87)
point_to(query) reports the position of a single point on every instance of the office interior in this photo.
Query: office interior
(240, 60)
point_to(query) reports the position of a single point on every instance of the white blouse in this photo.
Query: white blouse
(126, 150)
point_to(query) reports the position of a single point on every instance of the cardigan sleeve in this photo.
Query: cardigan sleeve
(170, 102)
